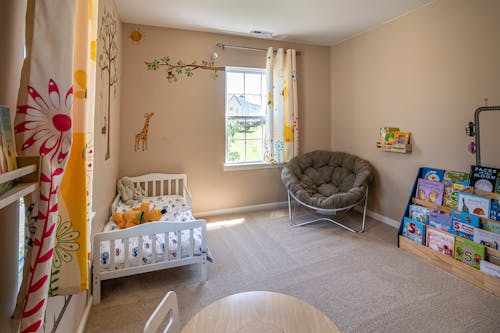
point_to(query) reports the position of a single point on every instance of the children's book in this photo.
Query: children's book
(495, 210)
(492, 226)
(493, 259)
(436, 175)
(402, 139)
(464, 223)
(484, 178)
(475, 204)
(466, 218)
(419, 213)
(440, 241)
(414, 230)
(490, 268)
(487, 238)
(388, 135)
(451, 190)
(456, 177)
(431, 191)
(468, 252)
(7, 150)
(441, 221)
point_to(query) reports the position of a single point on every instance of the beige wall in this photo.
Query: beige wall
(426, 72)
(106, 171)
(186, 134)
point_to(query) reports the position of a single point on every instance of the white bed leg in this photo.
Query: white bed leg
(204, 269)
(96, 293)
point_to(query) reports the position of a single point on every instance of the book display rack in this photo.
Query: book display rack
(442, 258)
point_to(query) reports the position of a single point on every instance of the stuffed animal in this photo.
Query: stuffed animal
(136, 216)
(149, 215)
(139, 192)
(125, 187)
(127, 219)
(118, 219)
(144, 207)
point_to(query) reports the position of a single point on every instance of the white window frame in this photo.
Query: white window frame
(241, 165)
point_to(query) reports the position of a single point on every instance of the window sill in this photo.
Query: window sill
(251, 166)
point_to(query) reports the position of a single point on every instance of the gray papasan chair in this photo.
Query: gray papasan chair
(328, 182)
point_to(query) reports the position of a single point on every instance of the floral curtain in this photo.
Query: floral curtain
(282, 126)
(54, 124)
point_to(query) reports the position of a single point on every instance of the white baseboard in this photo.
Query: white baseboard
(242, 209)
(85, 316)
(379, 217)
(282, 204)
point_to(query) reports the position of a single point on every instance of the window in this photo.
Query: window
(245, 115)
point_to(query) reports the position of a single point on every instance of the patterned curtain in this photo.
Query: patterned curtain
(55, 124)
(282, 126)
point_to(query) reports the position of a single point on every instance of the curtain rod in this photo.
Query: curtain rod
(225, 46)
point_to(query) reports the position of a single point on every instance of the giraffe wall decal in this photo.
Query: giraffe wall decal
(142, 136)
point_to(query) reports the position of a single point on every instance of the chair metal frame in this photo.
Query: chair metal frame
(325, 211)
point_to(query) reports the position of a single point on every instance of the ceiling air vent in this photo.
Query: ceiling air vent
(261, 33)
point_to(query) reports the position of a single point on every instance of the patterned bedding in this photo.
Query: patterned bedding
(176, 210)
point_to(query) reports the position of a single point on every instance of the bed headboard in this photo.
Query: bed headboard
(157, 184)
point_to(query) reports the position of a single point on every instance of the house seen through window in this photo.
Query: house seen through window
(245, 115)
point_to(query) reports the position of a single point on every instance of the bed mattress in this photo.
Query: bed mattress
(176, 210)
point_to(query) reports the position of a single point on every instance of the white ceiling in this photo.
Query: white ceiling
(320, 22)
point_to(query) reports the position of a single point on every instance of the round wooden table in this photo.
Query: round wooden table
(260, 312)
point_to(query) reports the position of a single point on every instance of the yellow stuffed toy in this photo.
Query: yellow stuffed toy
(136, 216)
(149, 215)
(127, 219)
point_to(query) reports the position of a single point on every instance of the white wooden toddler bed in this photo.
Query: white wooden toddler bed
(176, 240)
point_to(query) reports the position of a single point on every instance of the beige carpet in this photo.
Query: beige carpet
(363, 282)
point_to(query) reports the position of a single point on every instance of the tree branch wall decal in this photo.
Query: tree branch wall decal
(175, 69)
(108, 65)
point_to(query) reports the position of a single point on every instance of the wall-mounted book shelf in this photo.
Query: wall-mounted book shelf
(26, 178)
(451, 265)
(406, 149)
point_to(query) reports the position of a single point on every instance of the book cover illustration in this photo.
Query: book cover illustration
(7, 150)
(487, 238)
(466, 218)
(456, 177)
(441, 221)
(388, 135)
(431, 191)
(484, 178)
(464, 224)
(475, 204)
(468, 252)
(490, 268)
(451, 190)
(440, 241)
(492, 226)
(436, 175)
(419, 213)
(495, 210)
(414, 230)
(402, 139)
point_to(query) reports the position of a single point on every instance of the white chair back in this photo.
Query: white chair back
(167, 309)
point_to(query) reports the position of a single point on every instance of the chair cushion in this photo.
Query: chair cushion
(327, 180)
